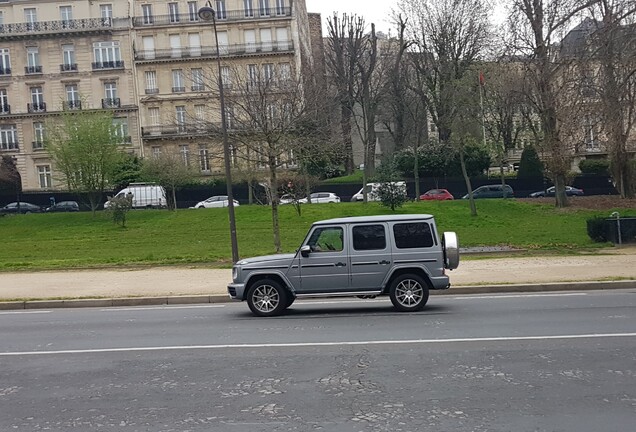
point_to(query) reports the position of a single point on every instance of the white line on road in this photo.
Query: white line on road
(518, 296)
(25, 312)
(165, 307)
(323, 344)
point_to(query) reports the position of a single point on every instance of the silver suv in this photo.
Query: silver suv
(401, 256)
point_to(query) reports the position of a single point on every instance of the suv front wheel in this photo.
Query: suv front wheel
(408, 293)
(267, 297)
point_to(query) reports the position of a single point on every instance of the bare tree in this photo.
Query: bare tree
(345, 49)
(536, 27)
(614, 49)
(169, 170)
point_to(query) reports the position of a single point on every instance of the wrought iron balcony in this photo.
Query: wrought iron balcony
(111, 103)
(197, 87)
(5, 109)
(68, 67)
(178, 89)
(72, 105)
(9, 145)
(36, 107)
(233, 15)
(180, 129)
(5, 71)
(33, 69)
(152, 91)
(225, 51)
(115, 64)
(37, 145)
(17, 30)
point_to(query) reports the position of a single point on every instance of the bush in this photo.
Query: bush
(597, 229)
(530, 165)
(119, 207)
(390, 192)
(594, 166)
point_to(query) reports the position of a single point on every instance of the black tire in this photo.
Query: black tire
(266, 298)
(290, 300)
(408, 293)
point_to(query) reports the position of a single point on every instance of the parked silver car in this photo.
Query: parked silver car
(321, 198)
(401, 256)
(215, 201)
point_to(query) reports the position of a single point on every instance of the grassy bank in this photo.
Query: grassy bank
(41, 241)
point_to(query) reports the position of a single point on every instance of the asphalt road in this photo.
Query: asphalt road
(535, 362)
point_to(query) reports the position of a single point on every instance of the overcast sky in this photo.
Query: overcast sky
(373, 11)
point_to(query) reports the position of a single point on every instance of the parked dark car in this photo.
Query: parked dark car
(64, 206)
(492, 191)
(569, 191)
(25, 207)
(437, 195)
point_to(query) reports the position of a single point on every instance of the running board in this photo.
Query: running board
(338, 294)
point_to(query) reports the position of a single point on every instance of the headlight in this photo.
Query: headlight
(235, 272)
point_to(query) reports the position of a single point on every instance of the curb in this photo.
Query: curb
(223, 298)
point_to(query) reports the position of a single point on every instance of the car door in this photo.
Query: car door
(370, 256)
(325, 268)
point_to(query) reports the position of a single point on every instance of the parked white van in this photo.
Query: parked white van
(372, 191)
(144, 195)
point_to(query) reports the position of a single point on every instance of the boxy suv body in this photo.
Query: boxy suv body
(401, 256)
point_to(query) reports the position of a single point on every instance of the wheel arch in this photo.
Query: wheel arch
(273, 276)
(419, 271)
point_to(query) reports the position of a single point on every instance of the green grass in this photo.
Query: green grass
(158, 237)
(354, 178)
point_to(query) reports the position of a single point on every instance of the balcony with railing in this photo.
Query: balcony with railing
(114, 64)
(5, 109)
(5, 71)
(68, 67)
(262, 48)
(152, 91)
(37, 145)
(174, 130)
(111, 103)
(178, 89)
(72, 105)
(197, 87)
(29, 70)
(39, 107)
(233, 15)
(11, 144)
(34, 29)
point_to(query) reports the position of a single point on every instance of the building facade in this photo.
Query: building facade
(152, 62)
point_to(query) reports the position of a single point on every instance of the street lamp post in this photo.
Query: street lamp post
(206, 13)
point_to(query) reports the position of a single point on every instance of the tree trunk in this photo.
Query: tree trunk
(273, 181)
(473, 207)
(416, 164)
(345, 126)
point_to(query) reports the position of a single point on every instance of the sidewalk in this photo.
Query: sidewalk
(157, 284)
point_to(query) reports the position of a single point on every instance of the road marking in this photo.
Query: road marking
(518, 296)
(323, 344)
(138, 308)
(25, 312)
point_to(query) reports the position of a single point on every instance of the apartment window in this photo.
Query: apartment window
(4, 102)
(194, 41)
(151, 82)
(229, 117)
(120, 129)
(263, 7)
(8, 137)
(72, 97)
(178, 84)
(282, 39)
(250, 40)
(31, 18)
(197, 80)
(1, 18)
(252, 75)
(226, 78)
(180, 117)
(175, 45)
(173, 12)
(280, 7)
(156, 152)
(107, 55)
(248, 8)
(33, 60)
(68, 58)
(153, 113)
(66, 14)
(44, 176)
(221, 11)
(38, 135)
(199, 116)
(204, 158)
(146, 11)
(148, 43)
(110, 90)
(223, 42)
(284, 71)
(37, 100)
(106, 11)
(266, 39)
(185, 154)
(5, 62)
(193, 11)
(268, 72)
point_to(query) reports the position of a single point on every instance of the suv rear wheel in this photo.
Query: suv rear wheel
(267, 298)
(408, 293)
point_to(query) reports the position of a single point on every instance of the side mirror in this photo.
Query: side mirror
(305, 250)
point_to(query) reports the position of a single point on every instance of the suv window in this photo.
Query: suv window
(326, 239)
(369, 237)
(412, 235)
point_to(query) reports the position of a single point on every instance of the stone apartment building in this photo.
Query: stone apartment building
(152, 62)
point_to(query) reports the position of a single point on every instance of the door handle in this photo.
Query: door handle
(385, 262)
(340, 264)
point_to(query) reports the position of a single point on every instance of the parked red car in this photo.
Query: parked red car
(436, 194)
